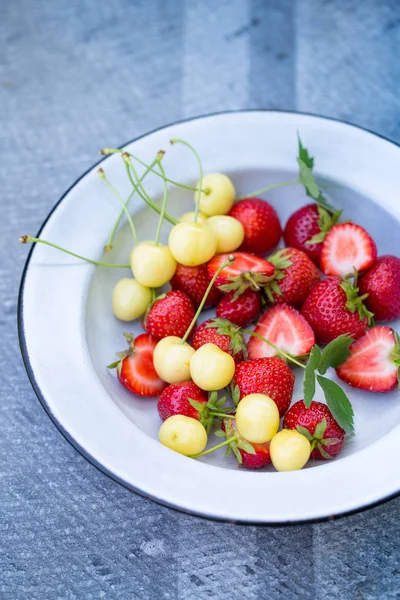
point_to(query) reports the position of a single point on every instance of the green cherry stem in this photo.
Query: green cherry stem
(213, 413)
(268, 188)
(141, 190)
(108, 151)
(230, 260)
(200, 183)
(27, 239)
(110, 239)
(281, 352)
(221, 445)
(121, 201)
(163, 207)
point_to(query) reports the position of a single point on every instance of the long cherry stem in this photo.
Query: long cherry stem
(221, 445)
(107, 151)
(230, 260)
(200, 182)
(163, 207)
(110, 239)
(27, 239)
(121, 201)
(273, 186)
(281, 352)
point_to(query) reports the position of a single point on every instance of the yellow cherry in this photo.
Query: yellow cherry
(130, 299)
(189, 216)
(257, 418)
(211, 368)
(228, 231)
(290, 450)
(183, 434)
(220, 195)
(152, 265)
(171, 359)
(192, 244)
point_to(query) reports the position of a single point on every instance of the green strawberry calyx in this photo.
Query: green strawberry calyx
(243, 282)
(317, 439)
(124, 354)
(214, 409)
(226, 327)
(236, 442)
(325, 223)
(281, 261)
(355, 303)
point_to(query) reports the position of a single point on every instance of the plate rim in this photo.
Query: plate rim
(91, 459)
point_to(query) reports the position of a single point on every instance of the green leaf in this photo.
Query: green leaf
(304, 155)
(338, 403)
(113, 365)
(304, 431)
(220, 433)
(246, 446)
(318, 238)
(320, 430)
(235, 394)
(198, 405)
(309, 375)
(307, 179)
(335, 353)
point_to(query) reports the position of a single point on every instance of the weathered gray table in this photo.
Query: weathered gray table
(76, 75)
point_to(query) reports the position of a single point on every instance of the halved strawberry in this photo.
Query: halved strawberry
(346, 248)
(135, 367)
(285, 327)
(247, 272)
(374, 361)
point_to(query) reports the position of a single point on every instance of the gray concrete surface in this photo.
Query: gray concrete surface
(76, 75)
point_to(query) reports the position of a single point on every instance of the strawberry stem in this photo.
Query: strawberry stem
(123, 204)
(200, 183)
(281, 352)
(163, 207)
(230, 260)
(110, 239)
(108, 151)
(217, 447)
(268, 188)
(26, 239)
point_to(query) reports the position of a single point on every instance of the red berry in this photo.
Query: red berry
(174, 400)
(270, 376)
(262, 229)
(135, 369)
(261, 456)
(334, 308)
(347, 247)
(285, 327)
(171, 314)
(295, 276)
(243, 310)
(246, 272)
(193, 281)
(223, 334)
(309, 223)
(328, 439)
(374, 361)
(382, 284)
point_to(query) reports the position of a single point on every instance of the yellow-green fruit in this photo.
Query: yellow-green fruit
(171, 359)
(220, 195)
(189, 216)
(130, 299)
(211, 368)
(257, 418)
(152, 265)
(290, 450)
(183, 434)
(228, 231)
(192, 244)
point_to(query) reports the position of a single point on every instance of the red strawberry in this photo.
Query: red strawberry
(374, 361)
(334, 308)
(318, 425)
(269, 376)
(243, 310)
(262, 229)
(223, 334)
(284, 326)
(346, 248)
(307, 227)
(135, 368)
(258, 458)
(247, 272)
(170, 314)
(295, 276)
(193, 281)
(382, 284)
(174, 400)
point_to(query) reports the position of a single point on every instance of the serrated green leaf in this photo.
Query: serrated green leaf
(309, 375)
(304, 431)
(304, 155)
(307, 179)
(338, 403)
(335, 353)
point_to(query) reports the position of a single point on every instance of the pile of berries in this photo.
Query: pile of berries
(326, 287)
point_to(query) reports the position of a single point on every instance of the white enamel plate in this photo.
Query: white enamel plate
(68, 333)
